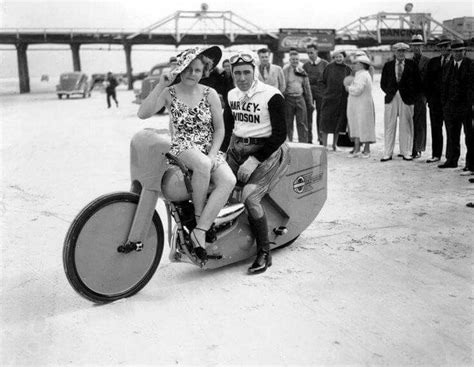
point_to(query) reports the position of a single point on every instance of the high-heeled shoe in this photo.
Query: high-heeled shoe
(199, 250)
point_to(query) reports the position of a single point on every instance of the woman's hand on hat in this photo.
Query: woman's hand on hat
(167, 78)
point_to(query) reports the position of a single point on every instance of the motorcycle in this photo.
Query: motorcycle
(115, 244)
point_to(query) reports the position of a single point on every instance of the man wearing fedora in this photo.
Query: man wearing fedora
(401, 83)
(457, 97)
(419, 115)
(432, 86)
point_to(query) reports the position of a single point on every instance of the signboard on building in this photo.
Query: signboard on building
(299, 38)
(398, 34)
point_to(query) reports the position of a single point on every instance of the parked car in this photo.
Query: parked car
(152, 80)
(73, 83)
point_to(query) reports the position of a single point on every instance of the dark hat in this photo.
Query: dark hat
(457, 45)
(444, 42)
(417, 39)
(186, 57)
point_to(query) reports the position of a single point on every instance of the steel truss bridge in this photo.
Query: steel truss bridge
(217, 28)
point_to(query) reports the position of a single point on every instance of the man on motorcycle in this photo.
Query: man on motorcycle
(255, 138)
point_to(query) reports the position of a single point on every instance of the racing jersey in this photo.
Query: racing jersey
(261, 114)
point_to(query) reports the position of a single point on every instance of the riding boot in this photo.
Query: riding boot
(264, 258)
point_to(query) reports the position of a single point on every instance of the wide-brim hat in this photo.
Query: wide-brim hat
(400, 46)
(417, 40)
(444, 42)
(186, 57)
(457, 45)
(363, 59)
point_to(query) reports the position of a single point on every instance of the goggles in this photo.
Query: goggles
(241, 56)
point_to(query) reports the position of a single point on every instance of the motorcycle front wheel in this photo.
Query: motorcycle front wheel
(94, 267)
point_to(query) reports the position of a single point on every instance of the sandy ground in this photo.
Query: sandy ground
(382, 277)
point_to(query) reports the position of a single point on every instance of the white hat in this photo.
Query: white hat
(363, 59)
(400, 46)
(417, 39)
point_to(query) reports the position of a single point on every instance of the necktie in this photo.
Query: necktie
(399, 71)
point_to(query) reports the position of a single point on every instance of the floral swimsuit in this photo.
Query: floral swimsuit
(192, 126)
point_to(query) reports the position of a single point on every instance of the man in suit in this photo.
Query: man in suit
(432, 83)
(270, 74)
(314, 67)
(401, 83)
(419, 115)
(456, 96)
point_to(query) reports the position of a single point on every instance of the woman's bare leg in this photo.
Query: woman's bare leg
(200, 164)
(224, 180)
(356, 145)
(367, 148)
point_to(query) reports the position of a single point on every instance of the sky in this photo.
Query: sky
(132, 15)
(269, 14)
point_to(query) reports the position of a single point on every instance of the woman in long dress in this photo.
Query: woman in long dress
(197, 132)
(360, 107)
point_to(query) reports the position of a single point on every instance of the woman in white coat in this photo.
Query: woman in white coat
(360, 107)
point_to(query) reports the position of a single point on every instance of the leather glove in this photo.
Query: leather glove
(247, 168)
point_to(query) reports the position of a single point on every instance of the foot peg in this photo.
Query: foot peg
(280, 231)
(130, 246)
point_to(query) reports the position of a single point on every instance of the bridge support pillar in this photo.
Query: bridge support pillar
(277, 55)
(23, 73)
(278, 58)
(76, 59)
(128, 60)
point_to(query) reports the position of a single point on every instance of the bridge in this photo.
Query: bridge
(224, 28)
(180, 28)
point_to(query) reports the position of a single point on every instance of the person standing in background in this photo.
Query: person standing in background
(457, 96)
(433, 83)
(401, 84)
(360, 107)
(314, 67)
(270, 74)
(419, 114)
(334, 104)
(227, 81)
(111, 84)
(298, 98)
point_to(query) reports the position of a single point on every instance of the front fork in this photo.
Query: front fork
(141, 221)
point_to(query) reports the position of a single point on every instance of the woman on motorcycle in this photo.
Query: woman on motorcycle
(197, 132)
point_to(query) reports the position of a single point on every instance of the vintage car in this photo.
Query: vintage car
(151, 80)
(73, 83)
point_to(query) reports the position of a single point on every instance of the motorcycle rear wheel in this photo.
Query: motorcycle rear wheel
(93, 265)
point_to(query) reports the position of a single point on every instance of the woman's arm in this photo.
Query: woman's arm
(217, 122)
(158, 97)
(357, 86)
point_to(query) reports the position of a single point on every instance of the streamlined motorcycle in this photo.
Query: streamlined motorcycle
(114, 245)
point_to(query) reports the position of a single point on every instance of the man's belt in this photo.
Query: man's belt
(248, 141)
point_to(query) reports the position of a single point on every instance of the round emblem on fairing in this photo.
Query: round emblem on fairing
(298, 184)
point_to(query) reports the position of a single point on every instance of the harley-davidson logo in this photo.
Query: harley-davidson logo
(304, 183)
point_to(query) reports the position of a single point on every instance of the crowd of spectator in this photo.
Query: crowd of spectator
(341, 96)
(338, 95)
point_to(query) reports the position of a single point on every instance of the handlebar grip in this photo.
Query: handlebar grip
(184, 169)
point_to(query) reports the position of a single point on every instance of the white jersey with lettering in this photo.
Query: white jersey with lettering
(251, 115)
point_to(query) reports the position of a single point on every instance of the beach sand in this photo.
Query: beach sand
(383, 276)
